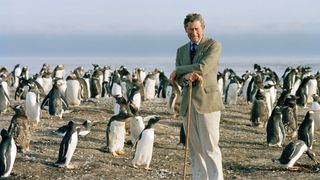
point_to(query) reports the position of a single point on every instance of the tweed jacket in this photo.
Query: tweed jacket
(206, 97)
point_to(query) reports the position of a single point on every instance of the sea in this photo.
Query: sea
(240, 64)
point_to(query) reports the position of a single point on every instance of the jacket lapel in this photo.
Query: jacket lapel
(199, 51)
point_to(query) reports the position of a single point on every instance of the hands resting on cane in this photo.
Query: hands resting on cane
(188, 78)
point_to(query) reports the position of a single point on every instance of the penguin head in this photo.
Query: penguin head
(4, 134)
(316, 98)
(19, 110)
(153, 120)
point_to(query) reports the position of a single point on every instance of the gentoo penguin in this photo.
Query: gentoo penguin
(73, 91)
(162, 89)
(4, 98)
(259, 110)
(96, 83)
(47, 82)
(275, 130)
(292, 152)
(116, 132)
(173, 98)
(302, 92)
(8, 151)
(58, 71)
(315, 107)
(312, 88)
(32, 104)
(232, 91)
(150, 86)
(136, 127)
(134, 100)
(56, 101)
(246, 80)
(68, 146)
(83, 129)
(306, 129)
(16, 74)
(144, 145)
(20, 129)
(289, 116)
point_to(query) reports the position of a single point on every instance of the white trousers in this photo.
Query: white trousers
(206, 160)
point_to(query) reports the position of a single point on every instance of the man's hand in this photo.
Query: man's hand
(192, 76)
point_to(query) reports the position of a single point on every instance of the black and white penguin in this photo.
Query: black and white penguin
(302, 92)
(96, 83)
(20, 129)
(32, 104)
(315, 107)
(275, 129)
(232, 91)
(4, 98)
(289, 116)
(8, 152)
(116, 131)
(259, 110)
(68, 146)
(144, 145)
(173, 98)
(306, 129)
(292, 152)
(136, 127)
(134, 100)
(47, 82)
(162, 89)
(150, 86)
(73, 91)
(56, 102)
(58, 71)
(16, 74)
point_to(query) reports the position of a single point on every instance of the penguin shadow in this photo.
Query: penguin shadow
(236, 167)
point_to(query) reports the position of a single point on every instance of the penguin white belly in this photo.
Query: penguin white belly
(232, 94)
(245, 88)
(149, 89)
(32, 107)
(268, 101)
(220, 86)
(63, 87)
(295, 158)
(13, 153)
(312, 89)
(87, 80)
(136, 127)
(144, 148)
(40, 81)
(117, 136)
(116, 90)
(295, 86)
(73, 92)
(71, 148)
(59, 73)
(124, 90)
(6, 89)
(116, 107)
(137, 100)
(273, 95)
(47, 85)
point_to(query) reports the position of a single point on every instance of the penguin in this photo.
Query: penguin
(289, 116)
(32, 104)
(306, 129)
(4, 98)
(144, 145)
(173, 98)
(149, 86)
(292, 152)
(96, 83)
(312, 88)
(134, 100)
(25, 72)
(232, 91)
(47, 82)
(115, 131)
(16, 74)
(56, 101)
(73, 91)
(136, 127)
(58, 71)
(68, 146)
(315, 107)
(86, 77)
(8, 152)
(162, 85)
(275, 129)
(246, 79)
(302, 93)
(20, 129)
(259, 110)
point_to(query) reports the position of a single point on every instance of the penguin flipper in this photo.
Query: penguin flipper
(45, 101)
(64, 103)
(62, 153)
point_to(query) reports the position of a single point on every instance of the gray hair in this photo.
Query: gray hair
(193, 17)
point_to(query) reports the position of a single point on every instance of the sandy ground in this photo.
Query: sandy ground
(244, 149)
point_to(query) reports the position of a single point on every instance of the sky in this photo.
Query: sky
(155, 27)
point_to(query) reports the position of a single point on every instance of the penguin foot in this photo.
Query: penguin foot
(293, 168)
(134, 166)
(70, 166)
(114, 154)
(147, 168)
(120, 152)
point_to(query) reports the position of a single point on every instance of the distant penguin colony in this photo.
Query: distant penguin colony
(30, 99)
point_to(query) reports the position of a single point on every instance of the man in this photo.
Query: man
(196, 63)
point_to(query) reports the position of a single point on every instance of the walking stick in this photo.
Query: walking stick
(187, 131)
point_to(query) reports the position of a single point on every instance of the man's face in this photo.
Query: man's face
(194, 31)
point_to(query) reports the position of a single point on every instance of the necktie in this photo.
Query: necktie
(193, 50)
